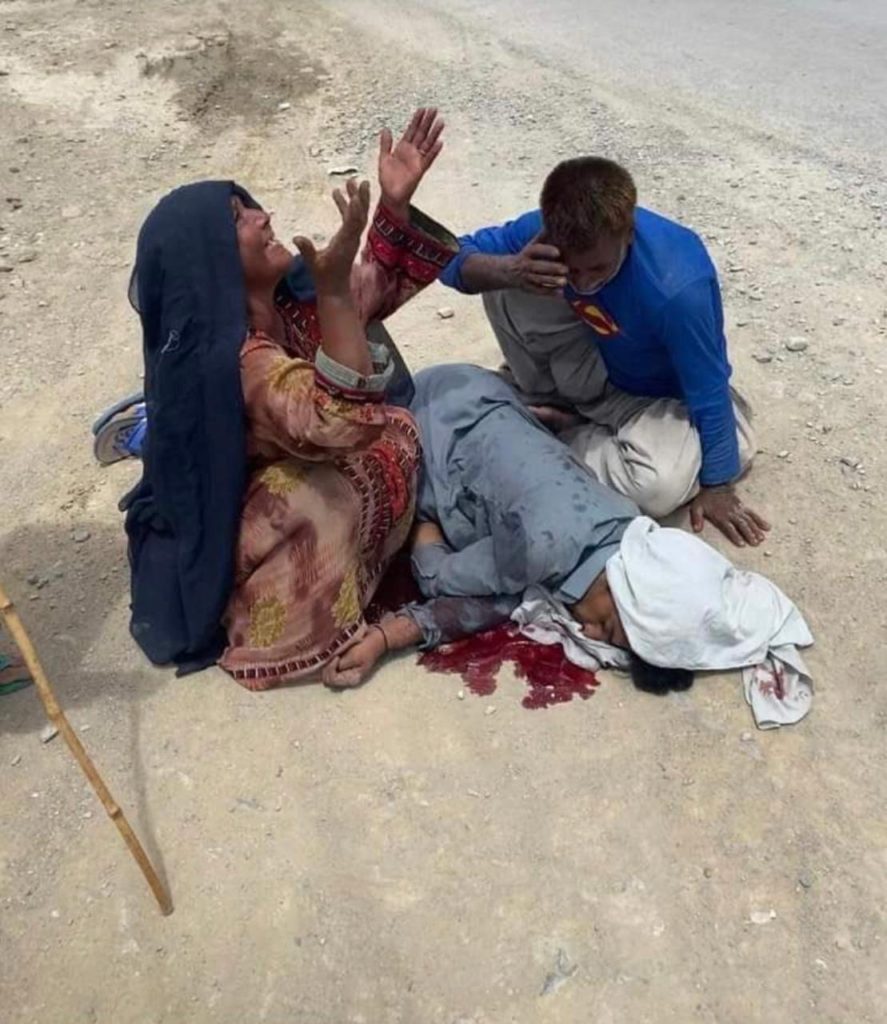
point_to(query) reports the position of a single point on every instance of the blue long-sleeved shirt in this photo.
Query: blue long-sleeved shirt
(659, 324)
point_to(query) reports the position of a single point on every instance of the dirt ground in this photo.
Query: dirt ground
(397, 854)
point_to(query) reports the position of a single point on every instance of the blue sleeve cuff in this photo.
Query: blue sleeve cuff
(720, 444)
(451, 275)
(693, 331)
(498, 240)
(445, 619)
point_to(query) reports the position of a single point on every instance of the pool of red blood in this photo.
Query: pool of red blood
(550, 677)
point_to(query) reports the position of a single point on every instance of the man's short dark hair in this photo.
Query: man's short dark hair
(652, 679)
(586, 198)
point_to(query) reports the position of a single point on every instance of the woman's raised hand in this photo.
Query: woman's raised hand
(402, 166)
(330, 267)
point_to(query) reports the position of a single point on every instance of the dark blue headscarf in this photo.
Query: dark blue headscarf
(182, 519)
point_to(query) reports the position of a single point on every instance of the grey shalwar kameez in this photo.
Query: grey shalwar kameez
(514, 504)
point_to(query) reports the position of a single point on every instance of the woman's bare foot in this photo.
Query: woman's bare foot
(355, 663)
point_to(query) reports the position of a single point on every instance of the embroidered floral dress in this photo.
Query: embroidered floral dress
(332, 489)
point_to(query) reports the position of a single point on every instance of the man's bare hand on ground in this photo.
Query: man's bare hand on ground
(723, 507)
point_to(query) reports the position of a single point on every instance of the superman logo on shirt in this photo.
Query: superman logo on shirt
(595, 317)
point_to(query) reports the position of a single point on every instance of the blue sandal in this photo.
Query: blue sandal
(134, 399)
(120, 430)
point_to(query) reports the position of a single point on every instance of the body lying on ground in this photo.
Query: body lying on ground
(506, 508)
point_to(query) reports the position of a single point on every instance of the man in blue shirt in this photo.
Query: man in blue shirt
(609, 317)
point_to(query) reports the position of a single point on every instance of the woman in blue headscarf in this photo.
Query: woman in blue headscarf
(278, 482)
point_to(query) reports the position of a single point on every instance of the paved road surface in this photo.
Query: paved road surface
(813, 70)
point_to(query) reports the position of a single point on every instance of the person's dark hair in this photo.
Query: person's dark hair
(585, 198)
(652, 679)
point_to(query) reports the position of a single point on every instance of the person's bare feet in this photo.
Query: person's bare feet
(353, 666)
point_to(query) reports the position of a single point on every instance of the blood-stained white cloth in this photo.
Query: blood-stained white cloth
(683, 605)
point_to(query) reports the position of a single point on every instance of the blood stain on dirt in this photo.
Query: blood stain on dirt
(550, 677)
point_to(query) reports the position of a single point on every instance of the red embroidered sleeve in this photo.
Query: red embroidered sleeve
(399, 260)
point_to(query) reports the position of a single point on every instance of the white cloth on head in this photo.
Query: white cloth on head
(683, 605)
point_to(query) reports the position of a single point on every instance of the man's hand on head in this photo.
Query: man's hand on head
(723, 507)
(537, 268)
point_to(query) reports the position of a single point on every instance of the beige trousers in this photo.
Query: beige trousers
(644, 448)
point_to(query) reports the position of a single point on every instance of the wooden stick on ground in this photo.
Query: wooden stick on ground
(57, 717)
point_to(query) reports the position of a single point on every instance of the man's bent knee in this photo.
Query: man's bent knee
(658, 497)
(657, 481)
